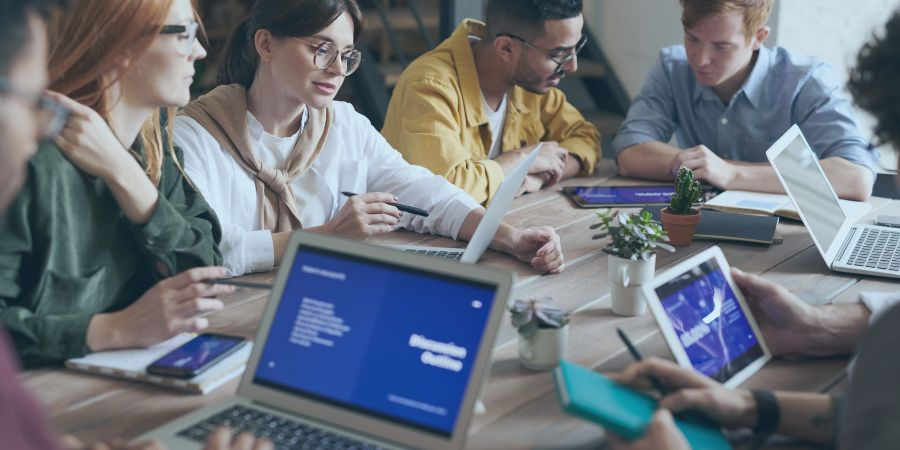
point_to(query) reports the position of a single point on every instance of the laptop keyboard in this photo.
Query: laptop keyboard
(877, 249)
(284, 433)
(436, 253)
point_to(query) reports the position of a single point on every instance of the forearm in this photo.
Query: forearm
(756, 177)
(837, 329)
(648, 160)
(850, 181)
(504, 237)
(133, 191)
(510, 159)
(806, 416)
(573, 167)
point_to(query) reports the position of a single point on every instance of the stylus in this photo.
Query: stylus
(243, 284)
(697, 416)
(400, 206)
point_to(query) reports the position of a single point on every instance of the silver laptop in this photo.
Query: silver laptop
(484, 233)
(361, 347)
(846, 244)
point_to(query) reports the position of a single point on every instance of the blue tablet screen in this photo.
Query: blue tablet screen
(623, 195)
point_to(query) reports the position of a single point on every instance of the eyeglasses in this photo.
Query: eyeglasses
(560, 56)
(187, 35)
(49, 114)
(326, 52)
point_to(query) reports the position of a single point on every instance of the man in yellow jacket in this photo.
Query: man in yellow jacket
(472, 108)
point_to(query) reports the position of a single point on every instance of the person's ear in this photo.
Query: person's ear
(263, 41)
(505, 47)
(760, 36)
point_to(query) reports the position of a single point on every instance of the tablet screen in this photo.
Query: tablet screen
(709, 322)
(621, 195)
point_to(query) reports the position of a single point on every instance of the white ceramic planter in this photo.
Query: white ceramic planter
(626, 277)
(544, 349)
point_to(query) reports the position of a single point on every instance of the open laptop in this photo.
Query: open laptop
(484, 233)
(361, 347)
(846, 244)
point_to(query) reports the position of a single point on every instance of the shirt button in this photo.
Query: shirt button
(724, 121)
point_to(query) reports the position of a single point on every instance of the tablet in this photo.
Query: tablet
(624, 196)
(705, 321)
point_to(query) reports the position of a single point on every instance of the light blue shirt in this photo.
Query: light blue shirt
(783, 89)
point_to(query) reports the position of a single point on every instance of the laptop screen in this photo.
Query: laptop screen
(812, 194)
(388, 341)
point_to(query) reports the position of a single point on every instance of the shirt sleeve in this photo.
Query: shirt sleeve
(652, 116)
(825, 116)
(878, 303)
(448, 206)
(425, 125)
(183, 232)
(243, 251)
(40, 337)
(567, 126)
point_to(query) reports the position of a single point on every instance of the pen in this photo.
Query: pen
(243, 284)
(697, 416)
(401, 207)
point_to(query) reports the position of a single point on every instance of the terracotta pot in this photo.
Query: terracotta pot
(680, 227)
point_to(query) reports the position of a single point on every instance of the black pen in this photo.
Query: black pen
(401, 207)
(243, 284)
(691, 414)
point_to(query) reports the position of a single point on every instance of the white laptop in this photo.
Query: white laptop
(846, 244)
(484, 233)
(361, 347)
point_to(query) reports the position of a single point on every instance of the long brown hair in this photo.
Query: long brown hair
(91, 42)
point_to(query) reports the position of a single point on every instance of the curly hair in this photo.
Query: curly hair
(875, 82)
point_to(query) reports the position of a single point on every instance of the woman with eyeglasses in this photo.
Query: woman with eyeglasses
(272, 152)
(108, 244)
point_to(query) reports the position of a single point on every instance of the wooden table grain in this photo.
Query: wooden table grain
(522, 411)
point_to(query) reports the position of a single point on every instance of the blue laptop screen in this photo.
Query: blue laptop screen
(388, 341)
(709, 322)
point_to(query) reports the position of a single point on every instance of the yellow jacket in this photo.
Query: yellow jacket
(436, 119)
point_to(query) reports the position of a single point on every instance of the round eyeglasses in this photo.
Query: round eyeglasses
(560, 56)
(49, 114)
(187, 35)
(326, 52)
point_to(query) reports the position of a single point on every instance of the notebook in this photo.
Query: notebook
(362, 347)
(620, 409)
(728, 226)
(484, 233)
(746, 202)
(131, 364)
(845, 244)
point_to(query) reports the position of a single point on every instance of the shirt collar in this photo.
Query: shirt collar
(752, 87)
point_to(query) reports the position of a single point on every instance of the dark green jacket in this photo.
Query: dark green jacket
(67, 252)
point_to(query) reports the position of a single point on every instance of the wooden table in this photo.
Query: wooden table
(522, 411)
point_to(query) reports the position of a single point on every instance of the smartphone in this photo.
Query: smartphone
(196, 355)
(887, 221)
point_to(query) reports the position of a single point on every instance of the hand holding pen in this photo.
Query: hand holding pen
(365, 215)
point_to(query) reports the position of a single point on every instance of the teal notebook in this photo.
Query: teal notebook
(621, 410)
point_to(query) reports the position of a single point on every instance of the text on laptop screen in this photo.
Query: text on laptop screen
(709, 322)
(805, 181)
(624, 195)
(391, 342)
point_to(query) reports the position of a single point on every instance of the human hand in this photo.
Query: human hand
(533, 183)
(660, 434)
(706, 165)
(170, 307)
(70, 442)
(540, 247)
(691, 391)
(365, 215)
(551, 161)
(89, 143)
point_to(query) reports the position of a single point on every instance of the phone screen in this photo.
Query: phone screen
(198, 352)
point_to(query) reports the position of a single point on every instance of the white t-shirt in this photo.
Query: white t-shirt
(496, 119)
(356, 158)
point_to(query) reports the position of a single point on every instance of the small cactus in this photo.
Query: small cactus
(687, 192)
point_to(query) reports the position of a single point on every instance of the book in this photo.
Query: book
(131, 364)
(622, 410)
(746, 202)
(729, 226)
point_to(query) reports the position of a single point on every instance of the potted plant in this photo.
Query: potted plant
(635, 239)
(679, 219)
(543, 333)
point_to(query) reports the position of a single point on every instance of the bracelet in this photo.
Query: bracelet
(768, 414)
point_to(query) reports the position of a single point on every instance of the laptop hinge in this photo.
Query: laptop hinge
(846, 244)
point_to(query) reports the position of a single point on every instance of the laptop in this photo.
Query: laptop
(846, 244)
(361, 347)
(484, 233)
